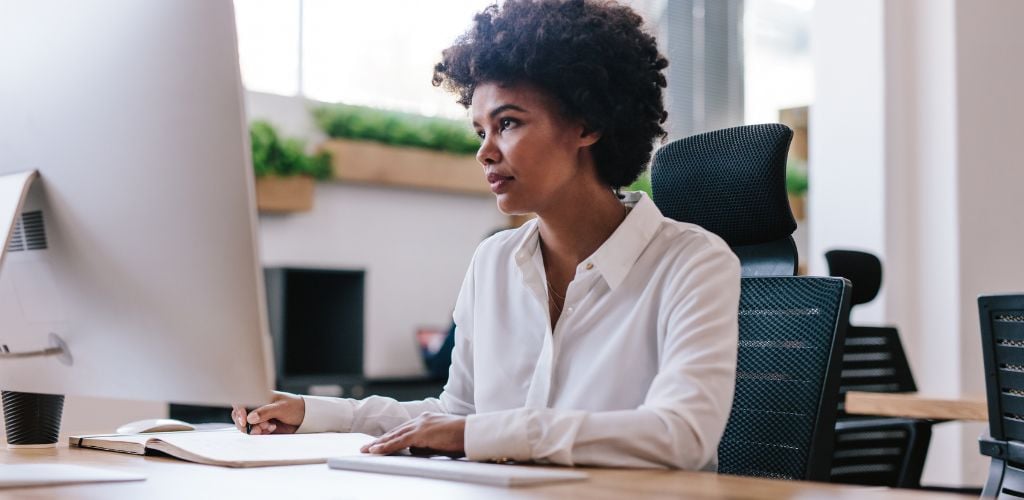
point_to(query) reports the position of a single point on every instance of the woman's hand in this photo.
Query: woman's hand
(429, 433)
(283, 415)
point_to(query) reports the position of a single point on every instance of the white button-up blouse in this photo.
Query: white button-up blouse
(638, 372)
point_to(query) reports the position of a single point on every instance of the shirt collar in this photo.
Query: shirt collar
(616, 256)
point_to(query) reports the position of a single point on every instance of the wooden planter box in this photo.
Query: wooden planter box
(798, 204)
(375, 163)
(284, 194)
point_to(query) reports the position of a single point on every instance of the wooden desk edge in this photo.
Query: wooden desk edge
(913, 405)
(166, 476)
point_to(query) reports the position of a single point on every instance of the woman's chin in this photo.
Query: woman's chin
(510, 206)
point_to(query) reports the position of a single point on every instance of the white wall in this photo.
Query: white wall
(922, 224)
(947, 222)
(846, 148)
(990, 173)
(415, 246)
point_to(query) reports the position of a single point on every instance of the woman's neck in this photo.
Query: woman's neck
(576, 226)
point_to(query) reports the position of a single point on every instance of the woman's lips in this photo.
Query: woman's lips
(499, 183)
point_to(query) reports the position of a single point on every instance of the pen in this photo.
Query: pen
(248, 426)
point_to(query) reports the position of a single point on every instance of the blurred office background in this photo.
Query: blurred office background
(907, 117)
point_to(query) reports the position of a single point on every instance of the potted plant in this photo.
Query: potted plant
(377, 146)
(284, 172)
(796, 187)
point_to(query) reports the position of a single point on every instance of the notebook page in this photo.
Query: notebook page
(236, 449)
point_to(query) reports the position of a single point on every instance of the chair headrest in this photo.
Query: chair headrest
(863, 269)
(731, 182)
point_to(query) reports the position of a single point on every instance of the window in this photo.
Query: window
(268, 45)
(779, 72)
(379, 53)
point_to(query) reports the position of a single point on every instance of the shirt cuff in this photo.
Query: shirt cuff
(497, 436)
(326, 415)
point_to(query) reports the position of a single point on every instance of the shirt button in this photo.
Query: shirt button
(590, 265)
(569, 309)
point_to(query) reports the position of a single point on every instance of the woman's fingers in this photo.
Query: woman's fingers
(283, 414)
(263, 428)
(238, 417)
(397, 431)
(391, 435)
(431, 432)
(397, 443)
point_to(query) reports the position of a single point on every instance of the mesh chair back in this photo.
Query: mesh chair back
(873, 361)
(863, 269)
(1002, 346)
(871, 450)
(732, 183)
(1002, 333)
(880, 451)
(787, 379)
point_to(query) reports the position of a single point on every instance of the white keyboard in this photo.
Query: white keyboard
(456, 470)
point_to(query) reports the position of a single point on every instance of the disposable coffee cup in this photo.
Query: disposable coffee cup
(32, 420)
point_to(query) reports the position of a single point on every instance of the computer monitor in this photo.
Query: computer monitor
(138, 243)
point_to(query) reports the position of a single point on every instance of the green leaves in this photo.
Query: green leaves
(642, 183)
(272, 155)
(397, 129)
(796, 178)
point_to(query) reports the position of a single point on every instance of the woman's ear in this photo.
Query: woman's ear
(588, 136)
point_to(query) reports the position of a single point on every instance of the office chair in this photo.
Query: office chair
(791, 328)
(1002, 345)
(872, 450)
(732, 182)
(787, 378)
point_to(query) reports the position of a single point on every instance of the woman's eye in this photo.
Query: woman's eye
(480, 134)
(507, 123)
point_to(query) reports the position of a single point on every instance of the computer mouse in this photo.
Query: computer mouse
(155, 425)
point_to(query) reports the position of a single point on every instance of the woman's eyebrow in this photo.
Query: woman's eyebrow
(498, 110)
(504, 107)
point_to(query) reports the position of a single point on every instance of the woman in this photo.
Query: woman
(599, 333)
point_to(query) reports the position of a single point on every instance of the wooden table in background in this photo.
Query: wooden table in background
(915, 405)
(170, 478)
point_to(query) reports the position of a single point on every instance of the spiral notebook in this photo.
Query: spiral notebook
(231, 448)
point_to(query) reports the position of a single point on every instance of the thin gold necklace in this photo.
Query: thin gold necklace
(552, 296)
(560, 297)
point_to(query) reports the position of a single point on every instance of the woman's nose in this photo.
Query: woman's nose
(488, 153)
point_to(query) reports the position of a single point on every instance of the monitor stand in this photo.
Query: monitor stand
(32, 420)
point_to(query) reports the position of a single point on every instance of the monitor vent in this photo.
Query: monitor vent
(29, 233)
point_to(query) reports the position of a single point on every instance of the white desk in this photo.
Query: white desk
(169, 478)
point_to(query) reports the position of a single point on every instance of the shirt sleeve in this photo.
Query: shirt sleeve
(685, 409)
(377, 415)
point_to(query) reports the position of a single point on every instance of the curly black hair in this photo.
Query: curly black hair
(592, 56)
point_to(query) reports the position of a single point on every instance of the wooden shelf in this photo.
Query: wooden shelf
(281, 195)
(373, 163)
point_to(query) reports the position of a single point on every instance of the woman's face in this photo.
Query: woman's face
(530, 154)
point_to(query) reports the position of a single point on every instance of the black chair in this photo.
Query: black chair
(787, 378)
(1002, 346)
(872, 450)
(732, 182)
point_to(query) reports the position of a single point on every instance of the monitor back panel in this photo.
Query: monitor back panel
(132, 112)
